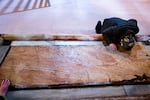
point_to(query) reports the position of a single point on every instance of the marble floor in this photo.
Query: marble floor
(72, 17)
(69, 16)
(73, 64)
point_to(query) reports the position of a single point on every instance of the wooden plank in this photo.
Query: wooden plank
(3, 52)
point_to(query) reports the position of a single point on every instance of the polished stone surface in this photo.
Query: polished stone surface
(66, 94)
(3, 52)
(92, 64)
(14, 6)
(74, 16)
(137, 90)
(56, 43)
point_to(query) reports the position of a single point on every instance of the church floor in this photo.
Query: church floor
(68, 16)
(73, 17)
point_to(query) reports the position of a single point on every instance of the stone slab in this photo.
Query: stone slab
(66, 94)
(3, 52)
(132, 90)
(62, 65)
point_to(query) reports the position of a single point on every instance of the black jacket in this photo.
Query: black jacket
(114, 28)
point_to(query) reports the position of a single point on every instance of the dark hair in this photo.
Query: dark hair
(129, 31)
(128, 40)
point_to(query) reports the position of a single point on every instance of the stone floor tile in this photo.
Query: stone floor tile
(132, 90)
(63, 94)
(3, 52)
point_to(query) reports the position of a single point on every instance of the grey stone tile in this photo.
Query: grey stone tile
(3, 52)
(63, 94)
(148, 49)
(147, 97)
(132, 90)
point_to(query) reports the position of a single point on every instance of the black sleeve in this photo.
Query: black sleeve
(132, 24)
(109, 33)
(98, 27)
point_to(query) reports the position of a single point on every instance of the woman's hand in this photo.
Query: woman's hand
(113, 46)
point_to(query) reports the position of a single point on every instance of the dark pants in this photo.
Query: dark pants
(2, 98)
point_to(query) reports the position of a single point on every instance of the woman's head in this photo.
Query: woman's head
(128, 40)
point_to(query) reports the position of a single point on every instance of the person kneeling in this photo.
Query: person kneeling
(118, 31)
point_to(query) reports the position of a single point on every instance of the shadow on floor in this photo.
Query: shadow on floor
(13, 6)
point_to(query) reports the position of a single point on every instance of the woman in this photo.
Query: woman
(118, 31)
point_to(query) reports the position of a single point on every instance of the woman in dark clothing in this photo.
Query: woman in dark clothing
(116, 30)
